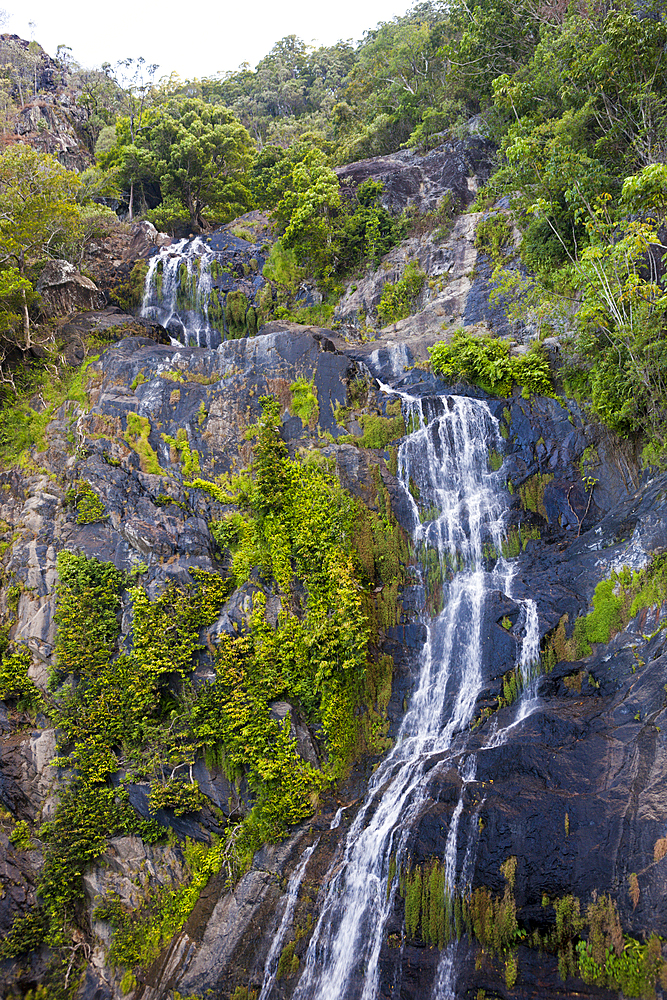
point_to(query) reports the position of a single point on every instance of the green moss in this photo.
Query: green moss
(236, 308)
(615, 602)
(136, 434)
(532, 493)
(189, 458)
(173, 376)
(590, 460)
(495, 460)
(517, 539)
(605, 619)
(304, 401)
(288, 964)
(378, 431)
(129, 294)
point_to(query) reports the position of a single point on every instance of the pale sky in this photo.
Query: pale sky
(194, 39)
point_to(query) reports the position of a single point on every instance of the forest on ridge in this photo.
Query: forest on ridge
(574, 97)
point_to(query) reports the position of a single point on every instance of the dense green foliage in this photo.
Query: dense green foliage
(575, 98)
(132, 714)
(581, 125)
(197, 153)
(298, 527)
(486, 361)
(398, 297)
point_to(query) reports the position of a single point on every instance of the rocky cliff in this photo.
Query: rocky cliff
(146, 576)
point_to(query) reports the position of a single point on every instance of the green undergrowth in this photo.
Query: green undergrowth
(296, 525)
(15, 684)
(141, 932)
(531, 493)
(435, 916)
(111, 707)
(493, 234)
(377, 431)
(89, 508)
(398, 298)
(486, 361)
(180, 451)
(616, 601)
(517, 539)
(136, 435)
(304, 401)
(26, 413)
(588, 944)
(130, 713)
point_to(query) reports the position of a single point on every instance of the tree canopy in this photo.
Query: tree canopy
(37, 210)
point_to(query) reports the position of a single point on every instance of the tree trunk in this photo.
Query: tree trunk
(131, 205)
(26, 320)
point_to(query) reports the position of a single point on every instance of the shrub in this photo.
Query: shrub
(486, 362)
(493, 233)
(398, 298)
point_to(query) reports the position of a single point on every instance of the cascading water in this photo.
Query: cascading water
(177, 292)
(444, 460)
(291, 897)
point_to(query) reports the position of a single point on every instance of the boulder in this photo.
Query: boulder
(144, 238)
(458, 166)
(63, 289)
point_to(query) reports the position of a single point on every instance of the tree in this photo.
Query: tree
(306, 210)
(202, 154)
(137, 99)
(99, 97)
(37, 207)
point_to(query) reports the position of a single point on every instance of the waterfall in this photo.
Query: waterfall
(177, 290)
(202, 295)
(291, 897)
(457, 511)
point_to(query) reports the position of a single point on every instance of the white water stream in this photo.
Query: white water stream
(291, 897)
(189, 326)
(444, 460)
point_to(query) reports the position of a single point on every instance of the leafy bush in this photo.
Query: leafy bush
(493, 233)
(486, 362)
(304, 401)
(20, 836)
(89, 507)
(15, 683)
(398, 298)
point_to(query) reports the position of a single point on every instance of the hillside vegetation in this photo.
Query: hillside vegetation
(574, 97)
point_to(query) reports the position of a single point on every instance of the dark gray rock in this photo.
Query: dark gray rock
(421, 181)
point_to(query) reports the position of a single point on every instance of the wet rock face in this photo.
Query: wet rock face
(458, 290)
(575, 792)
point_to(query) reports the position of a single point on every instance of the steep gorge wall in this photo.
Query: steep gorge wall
(574, 791)
(591, 753)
